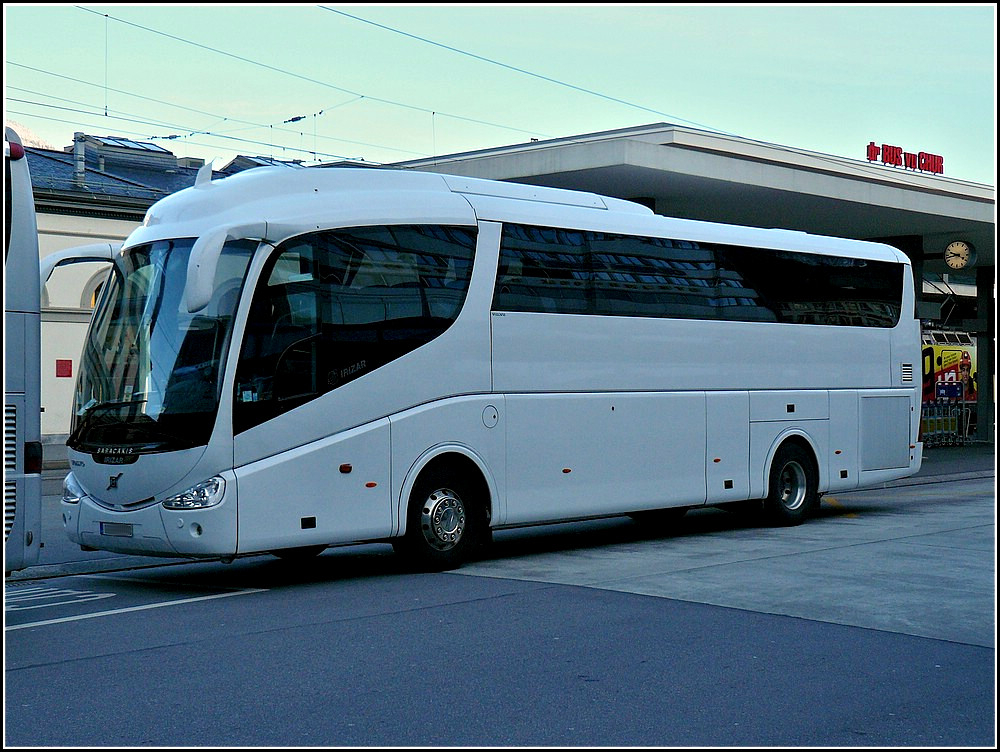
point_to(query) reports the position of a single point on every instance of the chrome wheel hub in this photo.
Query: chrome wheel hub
(442, 519)
(792, 486)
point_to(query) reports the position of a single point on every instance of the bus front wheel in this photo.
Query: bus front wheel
(792, 488)
(443, 524)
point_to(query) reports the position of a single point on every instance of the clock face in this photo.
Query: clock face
(958, 255)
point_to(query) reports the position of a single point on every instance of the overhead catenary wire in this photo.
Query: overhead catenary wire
(308, 79)
(77, 123)
(516, 69)
(133, 117)
(869, 169)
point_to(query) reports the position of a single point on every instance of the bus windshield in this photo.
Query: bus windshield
(150, 373)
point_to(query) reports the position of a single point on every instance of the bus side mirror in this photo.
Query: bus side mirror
(201, 269)
(204, 259)
(76, 255)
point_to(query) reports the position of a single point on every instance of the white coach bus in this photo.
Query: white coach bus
(22, 430)
(288, 359)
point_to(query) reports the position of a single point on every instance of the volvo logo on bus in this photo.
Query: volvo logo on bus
(113, 481)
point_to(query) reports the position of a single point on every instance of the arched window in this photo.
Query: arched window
(92, 290)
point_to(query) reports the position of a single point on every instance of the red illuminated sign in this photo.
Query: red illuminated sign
(896, 157)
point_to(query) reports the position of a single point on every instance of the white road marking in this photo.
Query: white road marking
(40, 596)
(117, 611)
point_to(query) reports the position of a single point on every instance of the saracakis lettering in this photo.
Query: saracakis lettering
(895, 156)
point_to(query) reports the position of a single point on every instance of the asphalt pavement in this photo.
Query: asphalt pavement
(973, 460)
(874, 625)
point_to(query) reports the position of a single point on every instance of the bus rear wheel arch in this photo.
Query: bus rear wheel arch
(447, 515)
(792, 488)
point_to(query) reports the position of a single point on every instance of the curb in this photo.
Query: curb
(918, 480)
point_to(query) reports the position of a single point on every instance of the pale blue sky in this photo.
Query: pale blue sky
(436, 79)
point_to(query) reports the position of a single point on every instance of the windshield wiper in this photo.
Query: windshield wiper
(89, 418)
(90, 413)
(105, 406)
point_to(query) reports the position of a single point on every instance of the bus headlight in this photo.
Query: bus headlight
(205, 494)
(72, 493)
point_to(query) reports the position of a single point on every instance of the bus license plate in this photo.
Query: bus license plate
(117, 529)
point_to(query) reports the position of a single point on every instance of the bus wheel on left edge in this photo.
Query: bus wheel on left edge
(444, 522)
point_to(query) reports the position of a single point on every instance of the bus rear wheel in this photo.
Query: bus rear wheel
(444, 522)
(792, 488)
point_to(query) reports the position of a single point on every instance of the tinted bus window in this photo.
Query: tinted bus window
(333, 306)
(567, 271)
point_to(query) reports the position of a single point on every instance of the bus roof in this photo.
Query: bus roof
(278, 202)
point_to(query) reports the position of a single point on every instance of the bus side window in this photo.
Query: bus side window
(335, 305)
